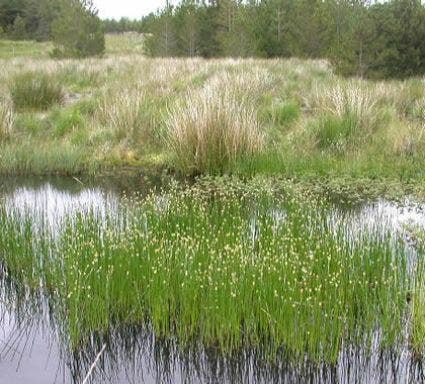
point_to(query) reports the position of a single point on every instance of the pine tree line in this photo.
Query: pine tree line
(28, 19)
(364, 38)
(360, 37)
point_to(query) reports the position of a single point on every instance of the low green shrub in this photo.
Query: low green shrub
(30, 124)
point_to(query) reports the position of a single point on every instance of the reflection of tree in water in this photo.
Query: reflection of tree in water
(61, 184)
(113, 183)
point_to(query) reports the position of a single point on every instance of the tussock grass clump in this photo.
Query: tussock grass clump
(211, 130)
(406, 138)
(408, 97)
(347, 99)
(335, 132)
(35, 90)
(7, 117)
(347, 115)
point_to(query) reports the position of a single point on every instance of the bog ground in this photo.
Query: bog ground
(275, 117)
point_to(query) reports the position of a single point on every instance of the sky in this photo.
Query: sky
(133, 9)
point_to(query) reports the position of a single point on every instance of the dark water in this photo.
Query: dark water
(30, 350)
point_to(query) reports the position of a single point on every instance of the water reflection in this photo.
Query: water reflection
(28, 353)
(50, 205)
(31, 351)
(380, 217)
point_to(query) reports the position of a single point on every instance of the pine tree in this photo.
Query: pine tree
(78, 32)
(162, 41)
(18, 31)
(186, 23)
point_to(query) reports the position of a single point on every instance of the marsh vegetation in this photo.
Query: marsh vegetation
(306, 275)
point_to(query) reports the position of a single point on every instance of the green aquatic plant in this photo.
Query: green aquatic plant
(418, 299)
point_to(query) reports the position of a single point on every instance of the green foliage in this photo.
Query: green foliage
(401, 29)
(28, 19)
(64, 121)
(86, 107)
(283, 114)
(35, 90)
(31, 125)
(63, 158)
(335, 132)
(18, 31)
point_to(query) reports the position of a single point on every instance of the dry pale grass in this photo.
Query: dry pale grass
(120, 111)
(406, 138)
(7, 117)
(246, 84)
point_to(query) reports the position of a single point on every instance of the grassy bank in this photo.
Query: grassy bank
(273, 117)
(228, 267)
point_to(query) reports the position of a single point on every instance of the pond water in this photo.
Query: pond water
(31, 349)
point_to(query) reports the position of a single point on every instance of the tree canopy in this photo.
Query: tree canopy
(72, 25)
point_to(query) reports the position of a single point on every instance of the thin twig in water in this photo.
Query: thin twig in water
(78, 180)
(94, 364)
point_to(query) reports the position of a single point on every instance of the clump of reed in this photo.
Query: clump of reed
(35, 90)
(7, 117)
(347, 114)
(212, 129)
